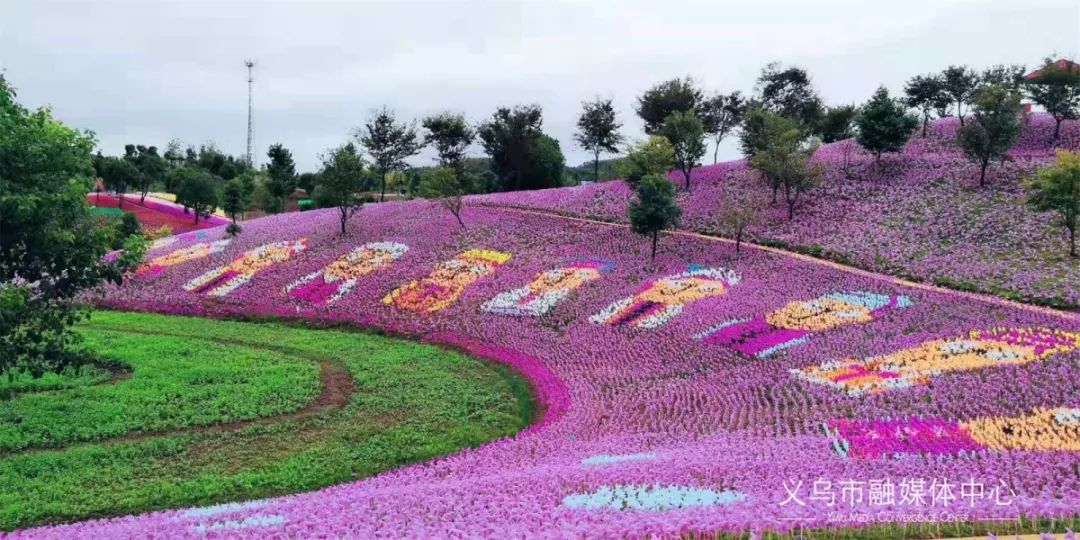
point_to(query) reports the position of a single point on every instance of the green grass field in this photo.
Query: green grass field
(210, 411)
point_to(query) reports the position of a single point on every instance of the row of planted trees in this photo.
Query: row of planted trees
(782, 125)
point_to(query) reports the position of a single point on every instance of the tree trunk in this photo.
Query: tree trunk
(458, 216)
(738, 242)
(596, 167)
(960, 111)
(142, 200)
(1072, 241)
(344, 214)
(716, 151)
(687, 175)
(120, 199)
(982, 173)
(655, 236)
(1057, 127)
(925, 121)
(196, 215)
(382, 184)
(790, 203)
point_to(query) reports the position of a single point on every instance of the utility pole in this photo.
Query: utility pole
(251, 122)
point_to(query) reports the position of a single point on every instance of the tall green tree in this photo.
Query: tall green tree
(198, 191)
(1057, 189)
(510, 138)
(884, 125)
(926, 93)
(152, 167)
(837, 123)
(784, 159)
(282, 174)
(791, 93)
(960, 84)
(1056, 89)
(234, 201)
(389, 143)
(51, 248)
(653, 156)
(598, 130)
(663, 99)
(994, 129)
(686, 134)
(1010, 75)
(341, 180)
(655, 209)
(721, 114)
(546, 164)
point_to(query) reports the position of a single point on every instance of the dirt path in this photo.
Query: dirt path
(337, 387)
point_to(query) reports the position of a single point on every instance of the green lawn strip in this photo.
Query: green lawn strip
(175, 383)
(412, 402)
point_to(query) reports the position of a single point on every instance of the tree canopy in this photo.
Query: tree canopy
(995, 128)
(665, 98)
(655, 208)
(598, 130)
(686, 134)
(791, 93)
(884, 124)
(51, 249)
(1057, 89)
(341, 180)
(1056, 188)
(389, 143)
(721, 114)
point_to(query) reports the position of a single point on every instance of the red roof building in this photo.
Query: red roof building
(1060, 64)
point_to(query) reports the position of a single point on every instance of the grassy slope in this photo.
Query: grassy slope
(411, 402)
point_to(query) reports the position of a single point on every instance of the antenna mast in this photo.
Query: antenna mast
(251, 123)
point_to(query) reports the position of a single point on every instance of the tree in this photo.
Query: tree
(653, 156)
(449, 187)
(198, 191)
(791, 93)
(1057, 188)
(234, 201)
(389, 143)
(687, 137)
(721, 114)
(118, 174)
(52, 250)
(740, 213)
(151, 166)
(960, 84)
(307, 181)
(655, 209)
(598, 131)
(1011, 75)
(660, 101)
(546, 164)
(127, 227)
(341, 179)
(282, 171)
(884, 124)
(926, 93)
(784, 161)
(753, 136)
(837, 123)
(995, 127)
(249, 181)
(451, 137)
(509, 137)
(1057, 89)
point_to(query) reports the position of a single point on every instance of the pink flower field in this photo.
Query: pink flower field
(700, 394)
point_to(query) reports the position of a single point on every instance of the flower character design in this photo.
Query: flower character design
(201, 250)
(917, 365)
(224, 279)
(1045, 430)
(795, 323)
(447, 281)
(330, 284)
(548, 288)
(663, 299)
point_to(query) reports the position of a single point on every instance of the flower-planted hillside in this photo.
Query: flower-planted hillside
(920, 215)
(693, 394)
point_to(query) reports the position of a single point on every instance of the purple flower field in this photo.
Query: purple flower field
(647, 427)
(921, 216)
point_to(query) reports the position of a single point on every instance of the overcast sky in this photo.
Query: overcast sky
(147, 72)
